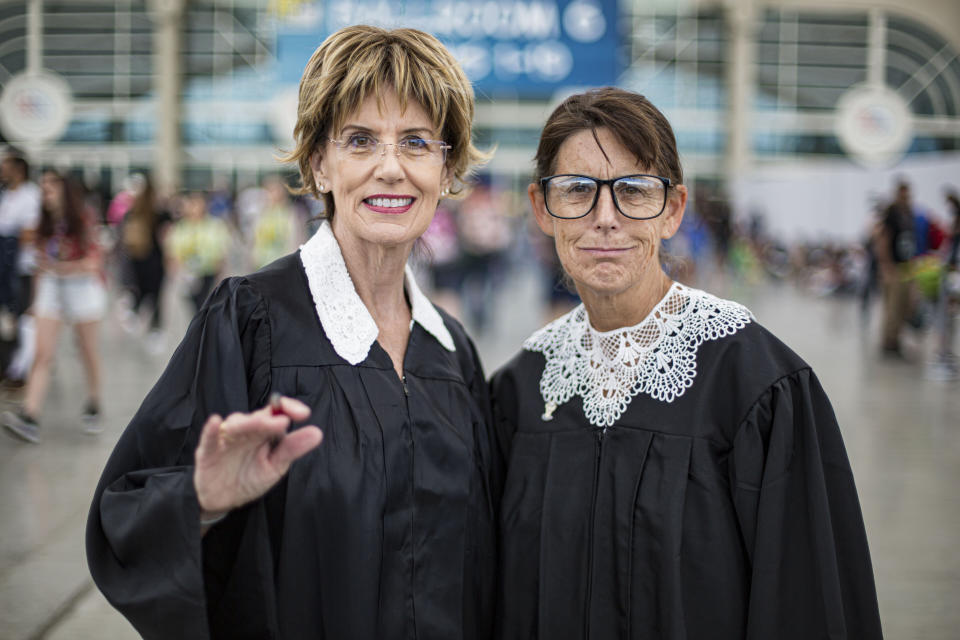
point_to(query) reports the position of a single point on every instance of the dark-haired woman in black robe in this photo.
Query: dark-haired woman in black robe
(220, 514)
(675, 472)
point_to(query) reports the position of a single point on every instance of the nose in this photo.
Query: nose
(388, 164)
(383, 148)
(605, 214)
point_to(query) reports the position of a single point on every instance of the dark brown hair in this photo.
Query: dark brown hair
(18, 161)
(73, 211)
(639, 126)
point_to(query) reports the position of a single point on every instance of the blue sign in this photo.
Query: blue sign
(524, 48)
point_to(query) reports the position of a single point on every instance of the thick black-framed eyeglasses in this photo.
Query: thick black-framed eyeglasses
(639, 196)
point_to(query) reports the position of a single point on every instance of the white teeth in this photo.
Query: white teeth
(390, 202)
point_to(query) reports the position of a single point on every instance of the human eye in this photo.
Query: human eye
(416, 142)
(635, 187)
(416, 146)
(575, 186)
(361, 142)
(628, 188)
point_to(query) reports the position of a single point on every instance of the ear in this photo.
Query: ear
(317, 165)
(543, 217)
(673, 214)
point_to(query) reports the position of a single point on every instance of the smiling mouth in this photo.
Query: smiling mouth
(389, 204)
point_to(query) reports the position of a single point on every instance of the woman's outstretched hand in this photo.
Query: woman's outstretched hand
(239, 458)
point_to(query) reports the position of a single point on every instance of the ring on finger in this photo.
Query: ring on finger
(224, 433)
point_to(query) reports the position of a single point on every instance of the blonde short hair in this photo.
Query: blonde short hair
(359, 61)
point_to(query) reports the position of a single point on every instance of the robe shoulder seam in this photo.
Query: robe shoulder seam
(766, 389)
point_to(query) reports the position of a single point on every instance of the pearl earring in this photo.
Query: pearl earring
(321, 187)
(444, 192)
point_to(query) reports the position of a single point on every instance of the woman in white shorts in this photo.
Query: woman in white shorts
(69, 288)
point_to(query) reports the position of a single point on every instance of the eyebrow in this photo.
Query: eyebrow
(362, 128)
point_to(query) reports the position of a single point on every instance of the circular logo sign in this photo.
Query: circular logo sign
(552, 61)
(35, 108)
(874, 125)
(584, 21)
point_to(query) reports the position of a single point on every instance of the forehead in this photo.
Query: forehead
(384, 113)
(580, 153)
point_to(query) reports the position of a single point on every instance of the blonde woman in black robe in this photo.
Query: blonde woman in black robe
(220, 513)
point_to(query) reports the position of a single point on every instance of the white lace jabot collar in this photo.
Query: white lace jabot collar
(657, 357)
(345, 319)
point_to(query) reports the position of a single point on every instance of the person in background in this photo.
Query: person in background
(141, 239)
(120, 203)
(558, 291)
(870, 275)
(278, 229)
(894, 247)
(953, 236)
(197, 247)
(945, 365)
(69, 289)
(444, 260)
(251, 201)
(485, 236)
(675, 471)
(19, 213)
(220, 200)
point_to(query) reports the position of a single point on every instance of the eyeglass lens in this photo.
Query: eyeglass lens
(362, 147)
(635, 196)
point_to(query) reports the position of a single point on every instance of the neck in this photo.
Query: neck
(625, 308)
(377, 272)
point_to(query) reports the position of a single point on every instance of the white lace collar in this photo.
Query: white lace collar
(657, 357)
(345, 319)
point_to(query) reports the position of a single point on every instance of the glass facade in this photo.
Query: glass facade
(804, 61)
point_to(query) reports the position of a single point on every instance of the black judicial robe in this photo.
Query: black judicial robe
(728, 514)
(386, 530)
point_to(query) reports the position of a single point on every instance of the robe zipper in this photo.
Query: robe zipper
(593, 525)
(413, 567)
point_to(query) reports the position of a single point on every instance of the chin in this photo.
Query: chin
(389, 236)
(604, 276)
(601, 285)
(604, 290)
(396, 229)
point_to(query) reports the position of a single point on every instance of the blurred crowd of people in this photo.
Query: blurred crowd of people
(907, 257)
(62, 247)
(913, 260)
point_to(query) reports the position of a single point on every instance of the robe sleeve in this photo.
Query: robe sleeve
(504, 402)
(800, 520)
(143, 534)
(488, 451)
(480, 574)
